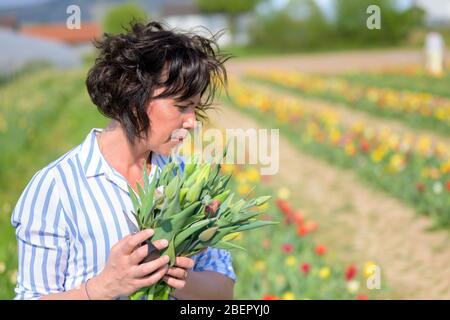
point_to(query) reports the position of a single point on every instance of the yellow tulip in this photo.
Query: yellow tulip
(324, 272)
(284, 193)
(260, 265)
(288, 296)
(369, 268)
(243, 189)
(290, 261)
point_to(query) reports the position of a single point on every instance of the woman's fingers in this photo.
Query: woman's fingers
(175, 283)
(140, 253)
(178, 273)
(130, 242)
(153, 278)
(145, 269)
(184, 262)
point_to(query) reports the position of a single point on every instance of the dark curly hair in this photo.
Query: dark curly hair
(132, 65)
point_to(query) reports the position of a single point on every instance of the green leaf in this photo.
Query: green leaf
(228, 245)
(261, 200)
(244, 216)
(193, 228)
(171, 187)
(170, 251)
(171, 226)
(255, 224)
(137, 219)
(140, 191)
(138, 294)
(134, 199)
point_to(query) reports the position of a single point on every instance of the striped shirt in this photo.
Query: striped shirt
(71, 214)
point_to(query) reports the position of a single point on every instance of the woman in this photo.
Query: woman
(76, 235)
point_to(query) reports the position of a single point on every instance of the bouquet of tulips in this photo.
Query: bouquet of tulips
(193, 210)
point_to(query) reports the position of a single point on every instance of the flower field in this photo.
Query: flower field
(285, 262)
(411, 167)
(400, 78)
(44, 114)
(419, 109)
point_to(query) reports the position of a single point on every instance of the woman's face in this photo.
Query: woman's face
(170, 121)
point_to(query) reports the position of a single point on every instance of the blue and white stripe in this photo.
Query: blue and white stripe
(70, 215)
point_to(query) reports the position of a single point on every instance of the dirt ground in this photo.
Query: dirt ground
(357, 222)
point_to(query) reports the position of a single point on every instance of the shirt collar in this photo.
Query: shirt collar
(94, 164)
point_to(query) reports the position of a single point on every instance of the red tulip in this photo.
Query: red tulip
(448, 185)
(287, 248)
(364, 145)
(305, 268)
(284, 206)
(350, 272)
(321, 249)
(290, 216)
(269, 297)
(298, 217)
(362, 297)
(302, 230)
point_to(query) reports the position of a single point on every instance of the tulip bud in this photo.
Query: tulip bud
(207, 234)
(158, 196)
(211, 209)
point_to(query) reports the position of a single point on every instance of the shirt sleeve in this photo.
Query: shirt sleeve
(213, 259)
(42, 239)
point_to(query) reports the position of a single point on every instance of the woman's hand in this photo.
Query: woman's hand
(123, 273)
(176, 276)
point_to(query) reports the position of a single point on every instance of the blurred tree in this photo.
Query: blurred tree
(232, 8)
(119, 17)
(300, 25)
(351, 17)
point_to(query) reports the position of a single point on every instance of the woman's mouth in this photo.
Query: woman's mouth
(178, 135)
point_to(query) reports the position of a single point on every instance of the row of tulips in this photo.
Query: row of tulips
(286, 262)
(411, 77)
(413, 168)
(418, 109)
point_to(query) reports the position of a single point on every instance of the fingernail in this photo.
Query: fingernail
(164, 242)
(166, 258)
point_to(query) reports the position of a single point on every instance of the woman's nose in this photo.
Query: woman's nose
(189, 121)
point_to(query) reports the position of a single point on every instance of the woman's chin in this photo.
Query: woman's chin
(167, 148)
